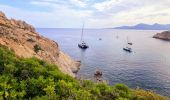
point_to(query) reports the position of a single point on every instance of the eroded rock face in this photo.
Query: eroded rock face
(164, 35)
(2, 14)
(26, 42)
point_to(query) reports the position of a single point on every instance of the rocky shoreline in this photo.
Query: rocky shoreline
(163, 35)
(23, 39)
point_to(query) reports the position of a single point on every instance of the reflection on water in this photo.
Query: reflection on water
(147, 67)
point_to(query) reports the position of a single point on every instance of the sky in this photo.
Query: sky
(94, 13)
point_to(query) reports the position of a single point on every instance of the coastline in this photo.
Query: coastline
(23, 39)
(163, 36)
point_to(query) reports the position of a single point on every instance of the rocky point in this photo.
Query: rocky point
(23, 39)
(164, 35)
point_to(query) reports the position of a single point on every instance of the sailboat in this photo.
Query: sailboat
(82, 44)
(128, 48)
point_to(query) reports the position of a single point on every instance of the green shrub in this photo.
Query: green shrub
(34, 79)
(123, 91)
(148, 95)
(37, 48)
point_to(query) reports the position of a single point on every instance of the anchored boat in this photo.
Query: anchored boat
(128, 48)
(128, 42)
(82, 44)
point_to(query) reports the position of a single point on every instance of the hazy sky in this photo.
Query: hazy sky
(95, 13)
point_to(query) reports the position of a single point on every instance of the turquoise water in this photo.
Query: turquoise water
(147, 67)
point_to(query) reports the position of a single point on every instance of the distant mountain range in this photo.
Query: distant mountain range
(146, 27)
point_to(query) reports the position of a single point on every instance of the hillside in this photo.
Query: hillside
(164, 35)
(146, 27)
(34, 79)
(23, 39)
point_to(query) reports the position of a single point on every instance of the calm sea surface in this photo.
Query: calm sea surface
(147, 67)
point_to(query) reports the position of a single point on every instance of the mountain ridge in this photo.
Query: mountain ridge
(143, 26)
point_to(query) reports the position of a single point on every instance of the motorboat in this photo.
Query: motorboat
(130, 43)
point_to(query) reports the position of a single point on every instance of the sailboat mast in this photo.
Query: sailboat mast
(127, 39)
(82, 32)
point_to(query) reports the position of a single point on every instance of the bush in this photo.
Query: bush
(31, 78)
(37, 48)
(148, 95)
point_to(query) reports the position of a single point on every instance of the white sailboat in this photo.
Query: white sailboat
(82, 44)
(128, 48)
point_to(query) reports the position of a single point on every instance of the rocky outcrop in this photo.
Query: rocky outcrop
(164, 35)
(23, 39)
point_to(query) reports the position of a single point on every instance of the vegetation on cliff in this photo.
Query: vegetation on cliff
(31, 78)
(23, 39)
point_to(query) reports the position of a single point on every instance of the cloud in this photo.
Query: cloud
(108, 4)
(98, 14)
(60, 16)
(79, 3)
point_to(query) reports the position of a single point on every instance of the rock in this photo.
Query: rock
(22, 25)
(21, 37)
(164, 35)
(2, 14)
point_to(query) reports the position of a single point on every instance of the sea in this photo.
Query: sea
(147, 67)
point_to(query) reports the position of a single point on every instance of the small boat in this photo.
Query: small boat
(100, 38)
(82, 44)
(130, 43)
(127, 49)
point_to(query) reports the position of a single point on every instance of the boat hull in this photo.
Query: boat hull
(130, 43)
(128, 50)
(83, 46)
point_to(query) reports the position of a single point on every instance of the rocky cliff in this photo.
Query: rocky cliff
(23, 39)
(164, 35)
